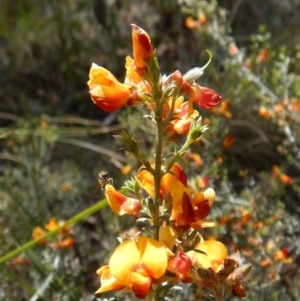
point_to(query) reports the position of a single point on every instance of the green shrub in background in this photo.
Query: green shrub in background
(53, 144)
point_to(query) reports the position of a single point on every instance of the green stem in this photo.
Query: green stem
(158, 161)
(177, 155)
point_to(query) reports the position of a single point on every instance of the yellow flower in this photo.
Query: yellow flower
(106, 91)
(213, 257)
(38, 233)
(135, 265)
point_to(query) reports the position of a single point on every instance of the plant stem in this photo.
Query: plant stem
(158, 154)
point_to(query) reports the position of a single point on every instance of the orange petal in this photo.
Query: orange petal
(205, 98)
(119, 203)
(106, 91)
(64, 243)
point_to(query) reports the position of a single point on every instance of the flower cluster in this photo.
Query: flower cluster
(169, 248)
(65, 239)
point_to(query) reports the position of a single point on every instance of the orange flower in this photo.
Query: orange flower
(283, 255)
(38, 233)
(64, 243)
(263, 112)
(196, 158)
(275, 171)
(183, 116)
(285, 179)
(202, 18)
(204, 97)
(142, 48)
(182, 121)
(120, 204)
(190, 23)
(222, 109)
(263, 55)
(228, 141)
(106, 91)
(125, 169)
(54, 224)
(188, 208)
(135, 265)
(233, 49)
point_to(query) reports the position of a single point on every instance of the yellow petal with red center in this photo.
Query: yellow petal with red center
(119, 203)
(215, 254)
(147, 257)
(108, 282)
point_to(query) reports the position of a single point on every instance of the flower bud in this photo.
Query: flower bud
(142, 48)
(180, 263)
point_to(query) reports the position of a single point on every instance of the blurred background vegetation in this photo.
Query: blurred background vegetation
(54, 140)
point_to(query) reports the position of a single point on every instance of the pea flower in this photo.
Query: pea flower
(203, 97)
(135, 265)
(106, 91)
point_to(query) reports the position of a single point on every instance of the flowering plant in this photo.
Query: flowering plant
(168, 248)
